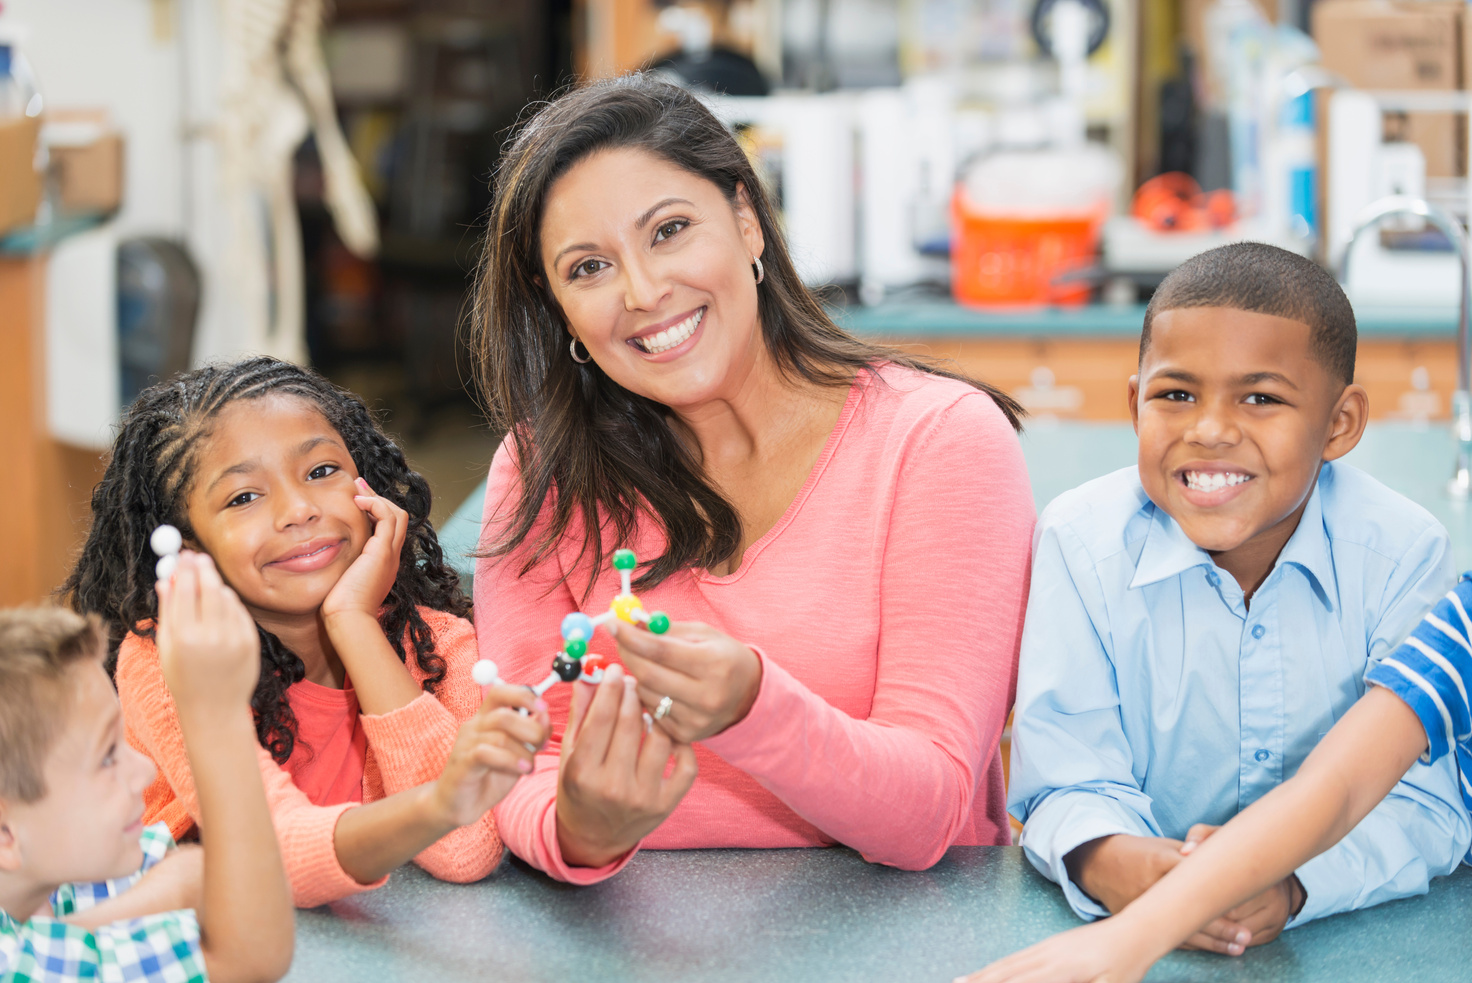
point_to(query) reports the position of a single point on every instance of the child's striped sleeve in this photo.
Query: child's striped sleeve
(1432, 669)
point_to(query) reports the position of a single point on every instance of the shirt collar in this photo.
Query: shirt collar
(1168, 551)
(1308, 549)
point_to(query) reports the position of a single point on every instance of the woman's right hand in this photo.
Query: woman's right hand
(611, 788)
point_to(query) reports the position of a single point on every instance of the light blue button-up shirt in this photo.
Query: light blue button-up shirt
(1150, 697)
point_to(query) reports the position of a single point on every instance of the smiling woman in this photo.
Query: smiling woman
(842, 528)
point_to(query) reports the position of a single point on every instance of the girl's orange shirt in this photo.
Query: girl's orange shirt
(404, 749)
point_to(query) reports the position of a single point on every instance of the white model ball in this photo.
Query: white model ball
(164, 569)
(484, 673)
(166, 540)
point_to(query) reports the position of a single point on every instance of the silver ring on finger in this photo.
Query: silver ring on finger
(663, 709)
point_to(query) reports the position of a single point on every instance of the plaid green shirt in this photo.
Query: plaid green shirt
(162, 947)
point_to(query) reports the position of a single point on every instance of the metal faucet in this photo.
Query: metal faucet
(1460, 487)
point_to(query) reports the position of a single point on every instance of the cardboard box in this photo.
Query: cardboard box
(90, 178)
(86, 159)
(1401, 44)
(20, 184)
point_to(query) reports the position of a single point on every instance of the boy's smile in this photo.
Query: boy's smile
(1235, 412)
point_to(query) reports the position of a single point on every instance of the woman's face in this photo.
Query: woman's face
(651, 266)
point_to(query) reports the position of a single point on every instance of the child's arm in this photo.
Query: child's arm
(169, 885)
(1353, 768)
(210, 655)
(412, 744)
(492, 750)
(350, 611)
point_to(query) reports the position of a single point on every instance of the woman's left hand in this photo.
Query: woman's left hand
(711, 679)
(370, 577)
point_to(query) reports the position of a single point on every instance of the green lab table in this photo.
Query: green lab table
(813, 916)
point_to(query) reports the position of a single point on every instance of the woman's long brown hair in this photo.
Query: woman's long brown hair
(582, 440)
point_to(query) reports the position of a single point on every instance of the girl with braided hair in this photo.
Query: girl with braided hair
(376, 745)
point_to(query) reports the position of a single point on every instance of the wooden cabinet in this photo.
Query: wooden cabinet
(46, 485)
(1085, 378)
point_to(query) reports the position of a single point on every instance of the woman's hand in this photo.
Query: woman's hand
(711, 679)
(493, 749)
(612, 790)
(368, 580)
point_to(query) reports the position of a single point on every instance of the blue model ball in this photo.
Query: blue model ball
(577, 625)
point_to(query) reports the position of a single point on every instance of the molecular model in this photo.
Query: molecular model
(572, 661)
(166, 542)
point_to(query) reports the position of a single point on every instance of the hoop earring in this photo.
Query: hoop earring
(573, 348)
(761, 274)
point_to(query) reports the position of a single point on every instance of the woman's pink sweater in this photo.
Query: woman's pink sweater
(886, 606)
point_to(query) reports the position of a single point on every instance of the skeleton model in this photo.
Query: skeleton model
(274, 91)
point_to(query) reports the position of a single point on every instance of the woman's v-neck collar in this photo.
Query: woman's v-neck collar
(830, 447)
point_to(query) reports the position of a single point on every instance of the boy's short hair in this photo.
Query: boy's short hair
(38, 646)
(1253, 276)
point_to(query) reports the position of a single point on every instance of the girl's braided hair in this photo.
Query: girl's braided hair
(147, 483)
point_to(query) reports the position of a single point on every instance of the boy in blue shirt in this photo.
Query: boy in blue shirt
(1416, 707)
(1196, 624)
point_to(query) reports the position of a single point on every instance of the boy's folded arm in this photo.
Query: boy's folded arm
(1072, 778)
(1420, 831)
(1064, 820)
(169, 885)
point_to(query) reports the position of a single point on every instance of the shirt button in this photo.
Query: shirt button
(1262, 754)
(1258, 631)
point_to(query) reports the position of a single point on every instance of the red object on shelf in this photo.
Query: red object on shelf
(1174, 202)
(1000, 261)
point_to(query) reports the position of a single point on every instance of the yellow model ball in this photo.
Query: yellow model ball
(624, 606)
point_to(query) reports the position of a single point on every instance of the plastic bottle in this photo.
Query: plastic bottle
(19, 93)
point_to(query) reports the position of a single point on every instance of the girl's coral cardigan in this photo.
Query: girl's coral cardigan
(407, 747)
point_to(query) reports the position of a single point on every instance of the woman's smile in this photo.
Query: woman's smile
(666, 337)
(658, 281)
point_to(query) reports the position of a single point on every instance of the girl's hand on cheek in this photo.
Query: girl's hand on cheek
(367, 582)
(712, 680)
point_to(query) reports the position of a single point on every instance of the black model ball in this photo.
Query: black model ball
(567, 669)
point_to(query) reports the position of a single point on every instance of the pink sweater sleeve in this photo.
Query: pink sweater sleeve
(512, 612)
(412, 744)
(306, 832)
(898, 787)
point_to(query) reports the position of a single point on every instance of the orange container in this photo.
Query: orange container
(1011, 261)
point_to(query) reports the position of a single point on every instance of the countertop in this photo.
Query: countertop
(810, 915)
(932, 317)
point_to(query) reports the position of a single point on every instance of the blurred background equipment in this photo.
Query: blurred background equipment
(274, 91)
(999, 182)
